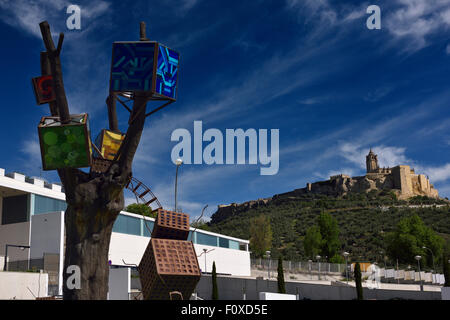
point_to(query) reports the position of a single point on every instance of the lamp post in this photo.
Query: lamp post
(205, 251)
(346, 254)
(5, 266)
(432, 257)
(268, 264)
(310, 274)
(420, 277)
(178, 163)
(318, 259)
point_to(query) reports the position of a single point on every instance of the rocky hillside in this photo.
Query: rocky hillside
(363, 217)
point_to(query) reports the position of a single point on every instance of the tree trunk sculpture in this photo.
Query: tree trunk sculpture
(94, 200)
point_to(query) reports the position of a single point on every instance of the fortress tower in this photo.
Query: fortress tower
(371, 162)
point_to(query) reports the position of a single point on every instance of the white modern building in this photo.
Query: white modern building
(32, 227)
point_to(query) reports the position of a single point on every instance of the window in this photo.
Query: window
(234, 245)
(224, 243)
(45, 205)
(15, 209)
(148, 225)
(128, 225)
(206, 239)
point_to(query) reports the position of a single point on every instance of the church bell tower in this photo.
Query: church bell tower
(371, 162)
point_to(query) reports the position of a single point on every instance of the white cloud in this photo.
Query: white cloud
(436, 174)
(387, 156)
(414, 21)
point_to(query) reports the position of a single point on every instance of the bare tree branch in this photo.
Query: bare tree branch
(46, 70)
(112, 113)
(55, 65)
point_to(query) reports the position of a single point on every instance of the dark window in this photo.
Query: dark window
(206, 239)
(15, 209)
(224, 243)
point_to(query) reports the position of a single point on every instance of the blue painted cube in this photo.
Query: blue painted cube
(144, 66)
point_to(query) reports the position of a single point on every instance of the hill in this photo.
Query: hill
(363, 219)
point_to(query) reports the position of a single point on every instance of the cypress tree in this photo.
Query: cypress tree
(215, 291)
(359, 289)
(446, 266)
(280, 278)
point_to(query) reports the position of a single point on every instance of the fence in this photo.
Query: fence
(392, 275)
(49, 264)
(298, 266)
(31, 265)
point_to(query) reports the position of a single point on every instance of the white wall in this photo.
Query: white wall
(17, 285)
(126, 247)
(18, 184)
(46, 234)
(229, 261)
(131, 249)
(119, 283)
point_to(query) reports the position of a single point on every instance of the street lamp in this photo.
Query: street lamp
(420, 277)
(346, 254)
(310, 274)
(432, 257)
(318, 259)
(5, 266)
(178, 163)
(269, 264)
(205, 251)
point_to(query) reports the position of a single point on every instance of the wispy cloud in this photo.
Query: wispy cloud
(413, 22)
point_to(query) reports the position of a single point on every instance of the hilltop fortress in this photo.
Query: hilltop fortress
(402, 180)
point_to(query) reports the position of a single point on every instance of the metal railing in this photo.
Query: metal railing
(297, 266)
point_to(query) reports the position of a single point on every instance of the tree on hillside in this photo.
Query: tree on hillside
(140, 208)
(313, 241)
(446, 267)
(329, 231)
(215, 290)
(260, 235)
(358, 282)
(280, 277)
(408, 240)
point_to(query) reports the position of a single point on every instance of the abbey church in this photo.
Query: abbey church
(402, 178)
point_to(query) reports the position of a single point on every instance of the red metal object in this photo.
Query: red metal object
(43, 89)
(171, 225)
(167, 266)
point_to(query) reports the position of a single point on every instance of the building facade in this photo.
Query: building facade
(32, 227)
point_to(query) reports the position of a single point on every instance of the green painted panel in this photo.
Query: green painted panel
(65, 146)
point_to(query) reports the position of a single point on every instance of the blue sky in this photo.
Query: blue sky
(309, 68)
